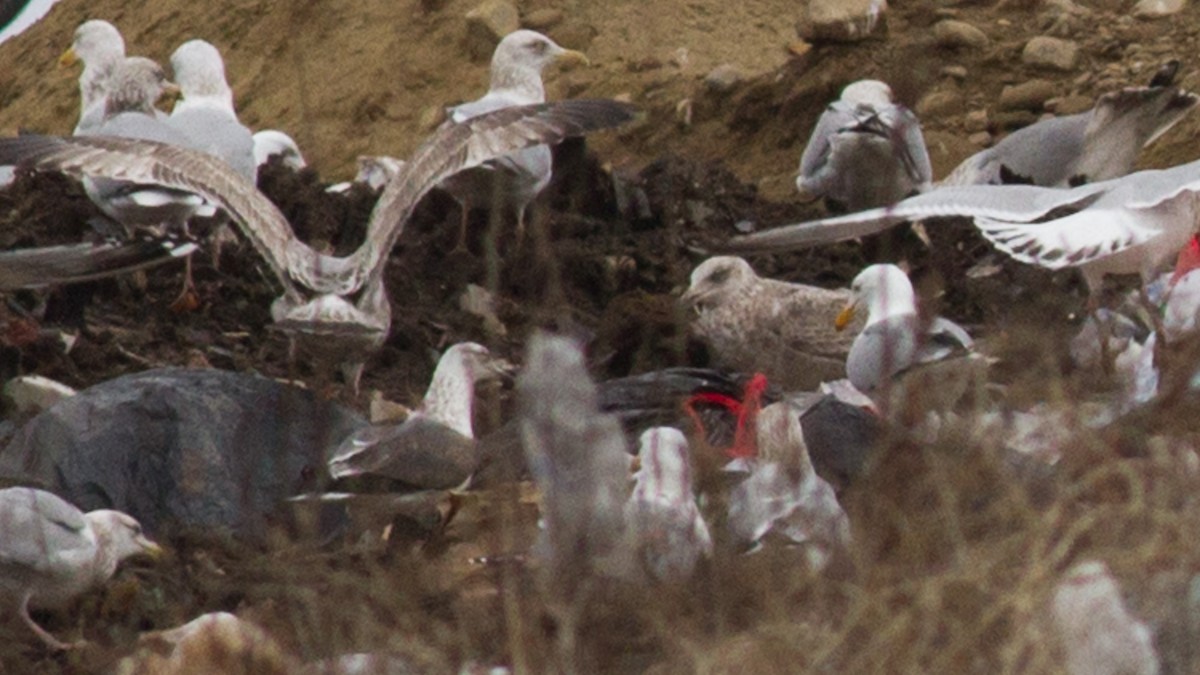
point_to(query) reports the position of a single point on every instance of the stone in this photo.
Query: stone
(1031, 95)
(841, 20)
(487, 24)
(957, 72)
(542, 19)
(1155, 9)
(976, 120)
(980, 138)
(1070, 105)
(1050, 52)
(939, 104)
(723, 78)
(959, 35)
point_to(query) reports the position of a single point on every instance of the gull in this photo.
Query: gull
(101, 48)
(666, 530)
(435, 447)
(205, 113)
(1128, 225)
(1091, 146)
(1098, 634)
(271, 143)
(51, 552)
(865, 151)
(782, 329)
(512, 180)
(895, 340)
(337, 307)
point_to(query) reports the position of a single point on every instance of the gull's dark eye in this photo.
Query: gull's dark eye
(538, 47)
(719, 277)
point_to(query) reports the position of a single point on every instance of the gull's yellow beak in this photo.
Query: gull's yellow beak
(845, 316)
(151, 549)
(171, 93)
(68, 58)
(570, 57)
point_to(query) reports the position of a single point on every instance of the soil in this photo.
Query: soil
(954, 565)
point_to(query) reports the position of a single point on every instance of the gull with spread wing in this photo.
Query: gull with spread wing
(336, 306)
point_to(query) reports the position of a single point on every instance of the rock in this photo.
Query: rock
(542, 19)
(976, 120)
(1049, 52)
(1070, 105)
(182, 448)
(1012, 119)
(1154, 9)
(959, 34)
(723, 78)
(1031, 95)
(981, 139)
(957, 72)
(478, 301)
(487, 24)
(939, 104)
(841, 20)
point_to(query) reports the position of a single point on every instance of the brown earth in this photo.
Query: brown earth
(954, 563)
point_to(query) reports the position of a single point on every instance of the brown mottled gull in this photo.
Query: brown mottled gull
(336, 306)
(782, 329)
(51, 551)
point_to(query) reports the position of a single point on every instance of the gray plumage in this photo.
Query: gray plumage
(101, 48)
(514, 179)
(865, 151)
(578, 459)
(1096, 145)
(337, 305)
(51, 551)
(753, 324)
(37, 267)
(1127, 225)
(205, 115)
(435, 447)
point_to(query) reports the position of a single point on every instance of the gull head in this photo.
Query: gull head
(271, 142)
(479, 363)
(869, 93)
(200, 70)
(531, 51)
(885, 291)
(121, 535)
(95, 42)
(136, 84)
(717, 281)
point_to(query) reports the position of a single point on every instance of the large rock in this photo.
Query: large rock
(841, 20)
(1049, 52)
(177, 447)
(487, 24)
(959, 35)
(1031, 95)
(1153, 9)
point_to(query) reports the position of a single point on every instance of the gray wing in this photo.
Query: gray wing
(1123, 122)
(214, 132)
(881, 350)
(943, 338)
(30, 268)
(1010, 203)
(836, 116)
(147, 162)
(457, 147)
(419, 452)
(1042, 154)
(34, 523)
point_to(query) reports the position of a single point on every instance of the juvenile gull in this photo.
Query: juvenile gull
(336, 306)
(754, 324)
(865, 151)
(512, 180)
(666, 530)
(1091, 146)
(101, 48)
(271, 143)
(51, 552)
(205, 114)
(896, 340)
(435, 447)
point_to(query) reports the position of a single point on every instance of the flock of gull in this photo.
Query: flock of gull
(1057, 194)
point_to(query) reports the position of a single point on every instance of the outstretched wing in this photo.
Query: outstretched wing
(30, 268)
(454, 148)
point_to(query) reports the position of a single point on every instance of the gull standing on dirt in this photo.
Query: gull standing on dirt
(664, 524)
(896, 340)
(51, 552)
(336, 307)
(99, 45)
(435, 447)
(1091, 146)
(513, 180)
(865, 151)
(754, 324)
(271, 143)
